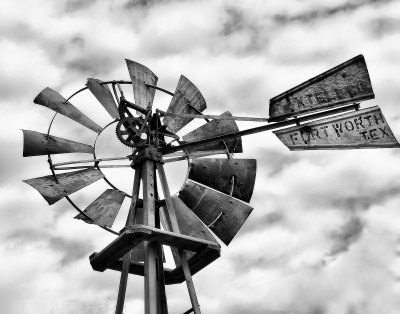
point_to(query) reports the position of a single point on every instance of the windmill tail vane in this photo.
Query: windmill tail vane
(321, 113)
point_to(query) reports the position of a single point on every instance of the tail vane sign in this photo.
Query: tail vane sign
(365, 128)
(346, 83)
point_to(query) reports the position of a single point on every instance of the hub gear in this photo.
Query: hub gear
(128, 132)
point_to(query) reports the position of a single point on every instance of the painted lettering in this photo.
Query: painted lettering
(311, 99)
(293, 137)
(321, 97)
(338, 128)
(373, 135)
(383, 131)
(324, 129)
(379, 117)
(349, 126)
(358, 122)
(340, 93)
(296, 102)
(364, 133)
(305, 136)
(315, 133)
(368, 118)
(365, 87)
(352, 90)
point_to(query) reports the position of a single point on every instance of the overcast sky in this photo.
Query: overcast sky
(324, 234)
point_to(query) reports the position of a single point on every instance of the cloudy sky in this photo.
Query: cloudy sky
(324, 235)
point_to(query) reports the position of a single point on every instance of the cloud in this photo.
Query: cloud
(348, 234)
(327, 12)
(70, 250)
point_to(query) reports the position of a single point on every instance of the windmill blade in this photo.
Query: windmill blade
(215, 128)
(234, 177)
(104, 209)
(189, 224)
(141, 75)
(67, 184)
(223, 214)
(345, 83)
(103, 94)
(36, 144)
(53, 100)
(188, 100)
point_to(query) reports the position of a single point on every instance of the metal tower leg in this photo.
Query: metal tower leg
(127, 258)
(172, 223)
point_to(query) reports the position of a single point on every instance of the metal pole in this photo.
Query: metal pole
(126, 262)
(150, 250)
(172, 224)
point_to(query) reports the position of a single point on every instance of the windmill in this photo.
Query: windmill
(321, 113)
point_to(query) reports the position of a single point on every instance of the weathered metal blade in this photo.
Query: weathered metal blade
(141, 75)
(189, 223)
(215, 128)
(36, 143)
(223, 214)
(365, 128)
(104, 209)
(187, 99)
(53, 100)
(345, 83)
(104, 96)
(236, 176)
(67, 184)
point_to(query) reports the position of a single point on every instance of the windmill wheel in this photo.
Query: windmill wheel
(215, 193)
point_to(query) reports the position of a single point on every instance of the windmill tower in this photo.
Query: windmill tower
(321, 113)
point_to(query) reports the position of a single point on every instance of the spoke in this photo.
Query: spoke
(85, 167)
(89, 160)
(214, 117)
(195, 155)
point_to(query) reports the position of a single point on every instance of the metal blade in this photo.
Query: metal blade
(104, 209)
(234, 177)
(215, 128)
(36, 143)
(365, 128)
(141, 75)
(189, 223)
(68, 183)
(186, 97)
(53, 100)
(223, 214)
(345, 83)
(104, 96)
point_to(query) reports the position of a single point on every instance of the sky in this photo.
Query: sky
(324, 235)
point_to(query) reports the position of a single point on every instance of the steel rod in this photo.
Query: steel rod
(259, 129)
(215, 117)
(172, 223)
(89, 160)
(195, 154)
(127, 257)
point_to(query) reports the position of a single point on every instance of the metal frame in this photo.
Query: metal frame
(52, 167)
